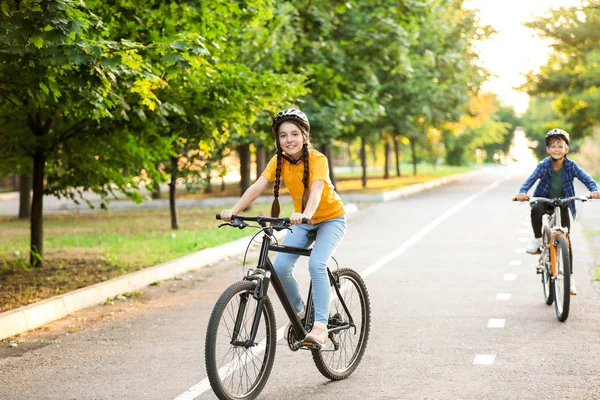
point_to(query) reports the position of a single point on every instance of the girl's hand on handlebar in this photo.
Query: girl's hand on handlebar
(595, 195)
(226, 215)
(296, 218)
(521, 197)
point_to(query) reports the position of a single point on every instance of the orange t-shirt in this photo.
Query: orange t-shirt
(330, 206)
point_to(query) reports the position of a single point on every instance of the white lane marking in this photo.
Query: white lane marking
(524, 230)
(496, 323)
(204, 385)
(419, 235)
(484, 359)
(516, 262)
(520, 250)
(523, 239)
(510, 277)
(503, 296)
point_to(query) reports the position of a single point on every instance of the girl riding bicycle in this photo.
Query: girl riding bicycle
(305, 173)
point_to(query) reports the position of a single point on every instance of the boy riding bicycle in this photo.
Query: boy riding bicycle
(556, 174)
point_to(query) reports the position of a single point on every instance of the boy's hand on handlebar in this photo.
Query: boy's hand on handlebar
(227, 215)
(521, 197)
(595, 195)
(296, 218)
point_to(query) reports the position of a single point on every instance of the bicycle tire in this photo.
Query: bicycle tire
(236, 372)
(562, 281)
(338, 364)
(545, 265)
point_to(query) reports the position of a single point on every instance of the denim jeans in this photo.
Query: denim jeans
(327, 236)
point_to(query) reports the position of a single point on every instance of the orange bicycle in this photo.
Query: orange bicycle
(556, 259)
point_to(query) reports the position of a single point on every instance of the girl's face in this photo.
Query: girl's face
(290, 139)
(557, 149)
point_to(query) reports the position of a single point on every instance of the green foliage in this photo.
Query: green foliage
(572, 74)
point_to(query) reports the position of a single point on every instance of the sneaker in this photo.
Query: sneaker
(573, 288)
(289, 325)
(318, 334)
(534, 246)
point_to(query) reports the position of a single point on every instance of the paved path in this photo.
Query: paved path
(457, 314)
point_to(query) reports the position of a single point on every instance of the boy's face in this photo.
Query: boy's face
(557, 149)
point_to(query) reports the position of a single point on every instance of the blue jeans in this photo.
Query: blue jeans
(327, 236)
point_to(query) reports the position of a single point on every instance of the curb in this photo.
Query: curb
(35, 315)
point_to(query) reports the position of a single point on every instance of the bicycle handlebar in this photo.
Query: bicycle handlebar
(262, 220)
(555, 201)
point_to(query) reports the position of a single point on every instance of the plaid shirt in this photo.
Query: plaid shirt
(543, 172)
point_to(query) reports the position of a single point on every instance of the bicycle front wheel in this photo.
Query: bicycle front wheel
(562, 281)
(545, 265)
(237, 367)
(342, 353)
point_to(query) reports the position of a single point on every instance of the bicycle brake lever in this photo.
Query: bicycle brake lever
(227, 224)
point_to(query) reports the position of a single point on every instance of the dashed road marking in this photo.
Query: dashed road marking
(503, 296)
(510, 277)
(520, 250)
(523, 239)
(496, 323)
(516, 262)
(484, 359)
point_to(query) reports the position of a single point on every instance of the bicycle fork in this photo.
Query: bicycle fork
(261, 278)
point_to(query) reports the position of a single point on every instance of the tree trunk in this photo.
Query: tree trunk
(363, 161)
(328, 154)
(156, 192)
(37, 211)
(397, 152)
(261, 160)
(413, 149)
(172, 194)
(24, 196)
(387, 148)
(245, 166)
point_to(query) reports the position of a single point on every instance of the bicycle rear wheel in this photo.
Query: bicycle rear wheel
(236, 368)
(562, 281)
(342, 353)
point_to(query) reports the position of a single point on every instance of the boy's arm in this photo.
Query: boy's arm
(586, 179)
(531, 180)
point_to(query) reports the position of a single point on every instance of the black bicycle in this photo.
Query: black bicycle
(242, 332)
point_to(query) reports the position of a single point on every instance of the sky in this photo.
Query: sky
(515, 49)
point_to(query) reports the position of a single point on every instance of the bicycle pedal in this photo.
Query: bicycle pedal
(311, 345)
(538, 270)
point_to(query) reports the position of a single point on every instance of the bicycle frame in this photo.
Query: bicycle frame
(266, 275)
(556, 229)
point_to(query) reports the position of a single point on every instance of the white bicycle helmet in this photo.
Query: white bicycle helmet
(290, 114)
(557, 132)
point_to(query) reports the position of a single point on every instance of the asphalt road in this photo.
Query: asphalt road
(457, 313)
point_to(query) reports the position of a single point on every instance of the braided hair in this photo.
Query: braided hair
(275, 207)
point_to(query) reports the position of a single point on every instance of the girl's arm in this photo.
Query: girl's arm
(251, 194)
(314, 198)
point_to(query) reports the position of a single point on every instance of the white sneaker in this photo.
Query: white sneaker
(573, 288)
(534, 246)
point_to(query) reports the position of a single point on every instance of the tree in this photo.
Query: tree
(572, 74)
(61, 89)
